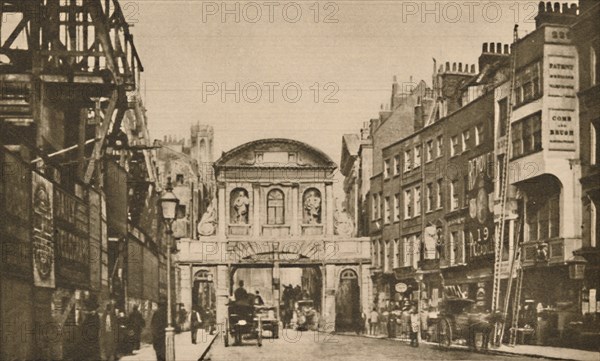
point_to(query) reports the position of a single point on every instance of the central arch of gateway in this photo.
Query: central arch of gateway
(274, 224)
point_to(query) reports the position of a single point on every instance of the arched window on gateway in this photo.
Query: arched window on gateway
(275, 207)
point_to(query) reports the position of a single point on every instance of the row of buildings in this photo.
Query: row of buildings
(424, 180)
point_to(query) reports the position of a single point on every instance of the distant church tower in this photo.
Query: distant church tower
(202, 143)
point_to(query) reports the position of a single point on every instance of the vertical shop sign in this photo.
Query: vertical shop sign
(43, 227)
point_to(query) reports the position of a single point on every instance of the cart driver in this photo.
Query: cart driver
(240, 293)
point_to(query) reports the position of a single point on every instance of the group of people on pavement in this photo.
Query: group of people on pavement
(111, 334)
(396, 320)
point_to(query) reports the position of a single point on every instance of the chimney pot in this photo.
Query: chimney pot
(485, 48)
(557, 8)
(499, 48)
(447, 66)
(565, 8)
(473, 68)
(460, 67)
(574, 9)
(548, 7)
(492, 48)
(454, 67)
(506, 51)
(541, 7)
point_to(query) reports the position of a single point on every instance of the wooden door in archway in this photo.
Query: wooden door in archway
(347, 302)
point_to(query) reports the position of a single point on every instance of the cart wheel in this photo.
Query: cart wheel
(226, 334)
(444, 333)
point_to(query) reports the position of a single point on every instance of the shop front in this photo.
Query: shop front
(550, 304)
(474, 283)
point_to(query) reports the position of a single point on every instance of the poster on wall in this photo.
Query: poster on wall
(562, 130)
(562, 120)
(71, 232)
(479, 226)
(43, 229)
(95, 240)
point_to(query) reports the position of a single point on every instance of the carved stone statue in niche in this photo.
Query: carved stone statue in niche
(344, 226)
(312, 207)
(240, 205)
(208, 222)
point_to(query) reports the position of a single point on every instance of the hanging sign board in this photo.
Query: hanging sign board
(401, 287)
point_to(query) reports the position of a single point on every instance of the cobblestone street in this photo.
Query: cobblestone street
(305, 346)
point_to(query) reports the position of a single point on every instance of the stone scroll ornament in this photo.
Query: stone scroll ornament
(344, 226)
(312, 208)
(208, 222)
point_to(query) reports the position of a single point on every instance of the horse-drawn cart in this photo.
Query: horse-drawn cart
(461, 320)
(242, 320)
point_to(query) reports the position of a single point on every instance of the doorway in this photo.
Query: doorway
(347, 302)
(204, 295)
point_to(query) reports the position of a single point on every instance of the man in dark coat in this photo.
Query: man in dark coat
(90, 331)
(108, 333)
(195, 322)
(158, 324)
(137, 324)
(240, 293)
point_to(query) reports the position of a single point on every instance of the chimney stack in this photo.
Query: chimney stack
(549, 13)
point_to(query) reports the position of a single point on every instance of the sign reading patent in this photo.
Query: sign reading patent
(71, 222)
(561, 118)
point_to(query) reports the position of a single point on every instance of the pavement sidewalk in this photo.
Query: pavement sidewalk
(559, 353)
(185, 350)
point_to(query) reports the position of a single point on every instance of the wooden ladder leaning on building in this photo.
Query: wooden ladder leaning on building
(499, 239)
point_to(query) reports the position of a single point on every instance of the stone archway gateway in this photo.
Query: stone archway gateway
(284, 220)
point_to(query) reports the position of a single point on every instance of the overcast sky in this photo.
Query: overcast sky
(349, 50)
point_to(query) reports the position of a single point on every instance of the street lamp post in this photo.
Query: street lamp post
(168, 204)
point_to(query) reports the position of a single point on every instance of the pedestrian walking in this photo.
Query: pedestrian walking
(90, 332)
(137, 324)
(373, 321)
(415, 327)
(195, 323)
(108, 334)
(125, 335)
(158, 325)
